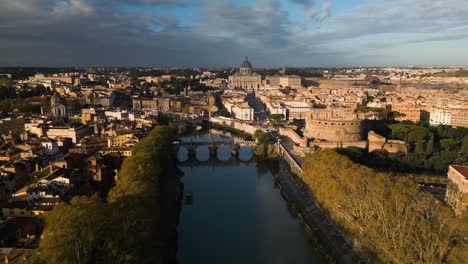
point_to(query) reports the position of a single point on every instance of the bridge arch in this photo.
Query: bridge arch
(222, 152)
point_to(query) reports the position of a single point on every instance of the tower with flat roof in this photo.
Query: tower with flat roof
(457, 189)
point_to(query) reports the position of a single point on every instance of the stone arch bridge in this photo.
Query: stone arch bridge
(213, 145)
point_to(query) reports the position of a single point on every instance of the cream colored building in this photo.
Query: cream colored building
(243, 111)
(459, 117)
(245, 78)
(456, 117)
(411, 112)
(274, 107)
(292, 81)
(42, 77)
(334, 124)
(297, 109)
(127, 140)
(440, 116)
(75, 133)
(378, 142)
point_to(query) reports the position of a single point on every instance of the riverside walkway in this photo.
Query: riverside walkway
(315, 218)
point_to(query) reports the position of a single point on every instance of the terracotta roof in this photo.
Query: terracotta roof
(16, 255)
(463, 170)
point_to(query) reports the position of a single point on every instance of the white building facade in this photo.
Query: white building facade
(440, 116)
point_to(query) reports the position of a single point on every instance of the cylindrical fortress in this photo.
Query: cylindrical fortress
(333, 124)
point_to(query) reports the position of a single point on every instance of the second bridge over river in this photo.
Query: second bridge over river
(213, 144)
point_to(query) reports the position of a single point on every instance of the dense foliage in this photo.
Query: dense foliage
(123, 230)
(264, 148)
(430, 149)
(384, 112)
(10, 105)
(276, 117)
(12, 99)
(366, 109)
(175, 86)
(186, 72)
(9, 92)
(391, 219)
(20, 73)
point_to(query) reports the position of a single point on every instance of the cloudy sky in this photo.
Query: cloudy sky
(221, 32)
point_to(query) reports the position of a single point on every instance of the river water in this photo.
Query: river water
(236, 214)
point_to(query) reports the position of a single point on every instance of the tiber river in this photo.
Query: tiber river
(237, 215)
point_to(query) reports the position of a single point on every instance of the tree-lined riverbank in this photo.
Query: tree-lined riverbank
(128, 227)
(315, 219)
(390, 218)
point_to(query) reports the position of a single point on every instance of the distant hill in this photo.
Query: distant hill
(459, 73)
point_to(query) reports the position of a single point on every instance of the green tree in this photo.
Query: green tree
(464, 148)
(264, 148)
(76, 233)
(263, 137)
(419, 149)
(447, 143)
(450, 132)
(440, 130)
(276, 117)
(430, 146)
(417, 133)
(127, 228)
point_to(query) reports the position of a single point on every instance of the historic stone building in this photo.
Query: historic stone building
(378, 142)
(292, 81)
(457, 189)
(335, 124)
(245, 78)
(57, 109)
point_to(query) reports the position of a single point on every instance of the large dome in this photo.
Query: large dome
(246, 63)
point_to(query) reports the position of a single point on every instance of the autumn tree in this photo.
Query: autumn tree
(390, 218)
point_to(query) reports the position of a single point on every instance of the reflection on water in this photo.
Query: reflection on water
(237, 215)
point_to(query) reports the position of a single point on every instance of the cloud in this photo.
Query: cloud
(404, 16)
(155, 2)
(383, 23)
(305, 3)
(72, 8)
(324, 11)
(407, 29)
(101, 32)
(263, 23)
(311, 13)
(42, 33)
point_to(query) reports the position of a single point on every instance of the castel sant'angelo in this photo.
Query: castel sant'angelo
(335, 124)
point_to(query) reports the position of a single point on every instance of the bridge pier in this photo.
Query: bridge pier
(235, 149)
(213, 146)
(213, 150)
(192, 151)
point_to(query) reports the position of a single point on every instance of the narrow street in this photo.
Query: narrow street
(260, 110)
